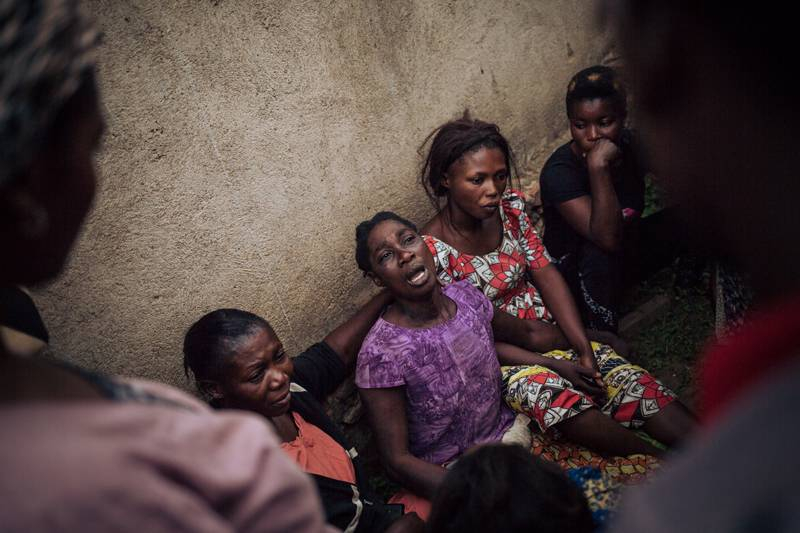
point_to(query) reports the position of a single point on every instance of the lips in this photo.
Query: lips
(490, 207)
(418, 276)
(283, 400)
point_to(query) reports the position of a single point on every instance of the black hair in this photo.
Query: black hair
(597, 82)
(212, 340)
(365, 228)
(450, 142)
(501, 487)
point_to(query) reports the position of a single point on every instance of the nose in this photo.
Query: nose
(491, 190)
(593, 133)
(276, 379)
(405, 256)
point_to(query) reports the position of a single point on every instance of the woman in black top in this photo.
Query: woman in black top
(593, 190)
(238, 362)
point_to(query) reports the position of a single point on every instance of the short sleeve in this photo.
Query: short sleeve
(444, 258)
(520, 224)
(560, 181)
(380, 361)
(319, 370)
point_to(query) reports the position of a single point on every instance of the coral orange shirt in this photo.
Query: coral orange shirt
(316, 452)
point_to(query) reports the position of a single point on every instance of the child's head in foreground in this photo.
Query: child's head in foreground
(500, 487)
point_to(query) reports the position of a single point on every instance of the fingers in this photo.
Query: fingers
(589, 385)
(588, 374)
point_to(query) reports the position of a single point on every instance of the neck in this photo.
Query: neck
(459, 220)
(577, 151)
(284, 425)
(424, 312)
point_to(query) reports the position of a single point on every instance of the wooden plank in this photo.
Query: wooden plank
(644, 315)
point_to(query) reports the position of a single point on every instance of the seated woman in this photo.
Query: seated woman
(593, 195)
(428, 370)
(483, 235)
(238, 362)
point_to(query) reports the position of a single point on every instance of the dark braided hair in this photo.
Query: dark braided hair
(213, 340)
(501, 487)
(597, 82)
(362, 235)
(451, 141)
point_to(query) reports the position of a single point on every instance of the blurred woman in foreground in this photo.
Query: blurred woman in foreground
(82, 451)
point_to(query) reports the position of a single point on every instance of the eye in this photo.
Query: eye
(280, 356)
(578, 125)
(606, 123)
(384, 256)
(502, 177)
(256, 376)
(477, 180)
(409, 238)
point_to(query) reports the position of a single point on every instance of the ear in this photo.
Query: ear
(445, 181)
(210, 389)
(376, 280)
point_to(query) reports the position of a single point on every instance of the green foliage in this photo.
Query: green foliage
(653, 196)
(670, 346)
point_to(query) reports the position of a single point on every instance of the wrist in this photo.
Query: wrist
(598, 169)
(585, 351)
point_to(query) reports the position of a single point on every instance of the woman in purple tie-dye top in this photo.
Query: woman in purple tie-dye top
(429, 370)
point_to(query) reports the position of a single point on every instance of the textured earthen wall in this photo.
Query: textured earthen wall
(246, 139)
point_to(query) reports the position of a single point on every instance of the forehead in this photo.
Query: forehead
(483, 157)
(384, 232)
(592, 108)
(260, 346)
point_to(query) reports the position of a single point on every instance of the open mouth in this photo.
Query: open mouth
(417, 276)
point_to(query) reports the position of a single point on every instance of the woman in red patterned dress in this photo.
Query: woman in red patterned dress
(482, 234)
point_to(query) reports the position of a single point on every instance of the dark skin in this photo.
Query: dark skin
(696, 144)
(471, 223)
(60, 182)
(402, 262)
(258, 374)
(596, 127)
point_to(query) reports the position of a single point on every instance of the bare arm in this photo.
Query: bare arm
(346, 339)
(582, 378)
(531, 335)
(558, 299)
(386, 409)
(598, 217)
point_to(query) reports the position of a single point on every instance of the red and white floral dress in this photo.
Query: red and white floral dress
(502, 274)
